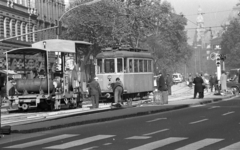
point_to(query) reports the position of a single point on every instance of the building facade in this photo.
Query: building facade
(19, 17)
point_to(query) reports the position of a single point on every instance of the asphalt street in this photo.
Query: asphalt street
(207, 127)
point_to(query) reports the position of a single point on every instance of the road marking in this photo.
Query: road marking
(43, 141)
(235, 146)
(155, 132)
(197, 105)
(156, 119)
(198, 121)
(199, 144)
(107, 144)
(90, 148)
(214, 107)
(79, 142)
(138, 137)
(160, 143)
(228, 113)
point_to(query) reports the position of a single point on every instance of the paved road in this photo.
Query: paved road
(207, 127)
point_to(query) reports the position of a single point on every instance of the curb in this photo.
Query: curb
(119, 117)
(99, 120)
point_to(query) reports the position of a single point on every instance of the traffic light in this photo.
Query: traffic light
(218, 60)
(59, 28)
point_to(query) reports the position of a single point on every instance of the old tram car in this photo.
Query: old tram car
(38, 85)
(133, 66)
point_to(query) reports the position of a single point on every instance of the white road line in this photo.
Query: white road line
(198, 121)
(138, 137)
(228, 113)
(156, 119)
(199, 144)
(160, 143)
(79, 142)
(155, 132)
(43, 141)
(235, 146)
(90, 148)
(214, 107)
(197, 105)
(107, 144)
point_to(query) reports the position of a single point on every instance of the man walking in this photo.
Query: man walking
(198, 87)
(211, 82)
(190, 80)
(95, 92)
(163, 89)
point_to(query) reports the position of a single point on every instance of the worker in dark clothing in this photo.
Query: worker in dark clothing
(95, 92)
(118, 91)
(198, 87)
(169, 84)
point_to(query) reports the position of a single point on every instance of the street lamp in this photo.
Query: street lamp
(44, 44)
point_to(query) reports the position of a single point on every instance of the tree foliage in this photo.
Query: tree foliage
(230, 45)
(147, 24)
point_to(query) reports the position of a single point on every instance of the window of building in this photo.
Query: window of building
(135, 65)
(11, 27)
(21, 29)
(125, 65)
(109, 66)
(26, 31)
(99, 66)
(130, 65)
(16, 29)
(140, 65)
(149, 66)
(120, 65)
(5, 27)
(145, 66)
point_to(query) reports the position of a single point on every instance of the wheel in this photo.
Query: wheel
(25, 107)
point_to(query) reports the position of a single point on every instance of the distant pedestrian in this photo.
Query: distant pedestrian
(211, 82)
(198, 88)
(169, 84)
(95, 92)
(190, 80)
(163, 89)
(223, 82)
(118, 91)
(204, 85)
(215, 81)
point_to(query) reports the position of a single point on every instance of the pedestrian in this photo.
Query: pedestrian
(190, 80)
(211, 82)
(223, 82)
(215, 81)
(169, 84)
(118, 91)
(198, 88)
(95, 92)
(204, 85)
(163, 89)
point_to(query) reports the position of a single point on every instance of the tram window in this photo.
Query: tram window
(109, 65)
(119, 65)
(145, 66)
(99, 66)
(130, 65)
(135, 65)
(140, 65)
(149, 66)
(125, 64)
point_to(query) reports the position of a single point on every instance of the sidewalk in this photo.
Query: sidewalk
(45, 122)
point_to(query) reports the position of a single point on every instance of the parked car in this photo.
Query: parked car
(177, 78)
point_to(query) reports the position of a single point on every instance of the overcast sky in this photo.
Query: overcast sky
(216, 12)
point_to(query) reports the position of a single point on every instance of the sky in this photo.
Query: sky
(216, 12)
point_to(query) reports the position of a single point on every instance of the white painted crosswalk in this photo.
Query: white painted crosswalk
(69, 141)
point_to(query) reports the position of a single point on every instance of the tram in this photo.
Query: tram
(133, 66)
(49, 76)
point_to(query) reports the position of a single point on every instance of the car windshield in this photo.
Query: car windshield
(175, 76)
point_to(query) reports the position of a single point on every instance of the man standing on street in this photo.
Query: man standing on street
(223, 82)
(198, 87)
(95, 92)
(169, 84)
(163, 89)
(190, 80)
(211, 82)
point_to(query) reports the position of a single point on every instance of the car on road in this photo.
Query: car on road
(177, 78)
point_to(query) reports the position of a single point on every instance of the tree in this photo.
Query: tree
(230, 45)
